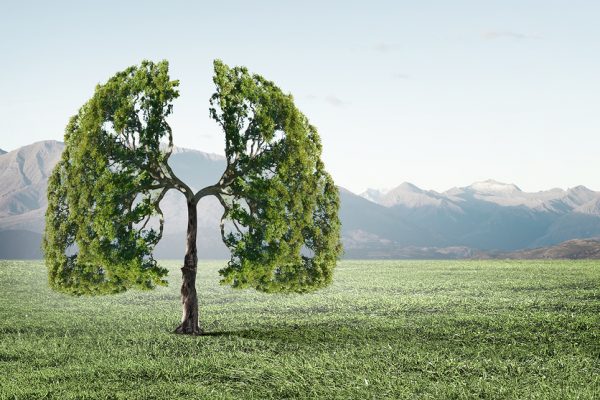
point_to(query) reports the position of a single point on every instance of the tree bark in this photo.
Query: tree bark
(189, 299)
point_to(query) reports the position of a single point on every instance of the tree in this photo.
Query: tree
(103, 220)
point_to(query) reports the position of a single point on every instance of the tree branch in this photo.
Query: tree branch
(224, 216)
(215, 190)
(161, 218)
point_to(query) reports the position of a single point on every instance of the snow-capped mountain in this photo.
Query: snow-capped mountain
(491, 191)
(496, 215)
(411, 196)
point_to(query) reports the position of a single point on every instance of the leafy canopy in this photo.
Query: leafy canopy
(280, 216)
(105, 185)
(280, 203)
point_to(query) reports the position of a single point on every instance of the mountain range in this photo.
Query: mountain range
(481, 220)
(494, 215)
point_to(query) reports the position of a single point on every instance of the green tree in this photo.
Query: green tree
(103, 221)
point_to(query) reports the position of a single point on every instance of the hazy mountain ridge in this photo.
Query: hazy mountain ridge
(503, 194)
(404, 222)
(24, 176)
(495, 215)
(575, 249)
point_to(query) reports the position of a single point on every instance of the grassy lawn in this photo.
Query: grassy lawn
(385, 329)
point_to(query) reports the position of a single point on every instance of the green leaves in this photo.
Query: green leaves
(108, 184)
(281, 207)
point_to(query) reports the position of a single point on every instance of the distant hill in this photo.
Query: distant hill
(24, 176)
(484, 218)
(2, 152)
(20, 244)
(574, 249)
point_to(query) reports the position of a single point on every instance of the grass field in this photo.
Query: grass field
(385, 329)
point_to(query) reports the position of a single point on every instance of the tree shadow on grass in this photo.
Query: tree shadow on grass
(316, 333)
(458, 332)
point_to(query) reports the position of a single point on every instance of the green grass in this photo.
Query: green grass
(384, 329)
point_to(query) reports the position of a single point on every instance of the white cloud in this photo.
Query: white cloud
(335, 101)
(508, 35)
(400, 75)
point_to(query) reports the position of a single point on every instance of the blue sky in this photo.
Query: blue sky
(437, 93)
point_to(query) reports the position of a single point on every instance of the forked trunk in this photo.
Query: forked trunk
(189, 299)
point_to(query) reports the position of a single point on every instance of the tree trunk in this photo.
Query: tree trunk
(189, 299)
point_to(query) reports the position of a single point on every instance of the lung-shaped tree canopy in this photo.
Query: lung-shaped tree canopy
(281, 207)
(104, 189)
(280, 216)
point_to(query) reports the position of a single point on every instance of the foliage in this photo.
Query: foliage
(278, 199)
(103, 191)
(382, 330)
(280, 203)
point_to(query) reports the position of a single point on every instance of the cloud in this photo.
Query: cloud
(399, 75)
(383, 47)
(508, 35)
(331, 100)
(335, 101)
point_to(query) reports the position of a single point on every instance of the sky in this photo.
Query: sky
(437, 93)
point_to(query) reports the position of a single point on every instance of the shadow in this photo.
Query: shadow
(218, 333)
(302, 333)
(318, 333)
